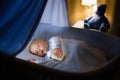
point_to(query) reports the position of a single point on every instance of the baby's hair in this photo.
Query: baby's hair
(36, 41)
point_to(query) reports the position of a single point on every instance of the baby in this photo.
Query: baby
(51, 49)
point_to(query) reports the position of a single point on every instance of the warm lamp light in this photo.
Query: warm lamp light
(89, 2)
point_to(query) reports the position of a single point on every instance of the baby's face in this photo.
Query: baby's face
(40, 48)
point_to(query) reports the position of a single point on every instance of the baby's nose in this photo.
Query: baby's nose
(40, 50)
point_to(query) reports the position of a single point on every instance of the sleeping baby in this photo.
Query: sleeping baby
(51, 49)
(66, 54)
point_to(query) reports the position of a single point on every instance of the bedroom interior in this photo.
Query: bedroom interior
(77, 13)
(14, 62)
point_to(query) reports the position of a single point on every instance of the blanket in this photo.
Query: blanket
(80, 57)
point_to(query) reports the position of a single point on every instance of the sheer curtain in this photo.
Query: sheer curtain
(55, 13)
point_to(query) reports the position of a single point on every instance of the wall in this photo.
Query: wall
(110, 11)
(115, 29)
(75, 11)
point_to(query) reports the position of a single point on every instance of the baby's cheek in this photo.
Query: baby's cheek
(46, 47)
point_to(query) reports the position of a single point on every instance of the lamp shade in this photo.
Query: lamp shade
(89, 2)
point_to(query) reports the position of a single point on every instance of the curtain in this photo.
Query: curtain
(18, 19)
(55, 13)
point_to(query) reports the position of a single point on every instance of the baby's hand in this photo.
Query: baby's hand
(32, 60)
(57, 52)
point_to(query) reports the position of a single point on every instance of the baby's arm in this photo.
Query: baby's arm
(37, 60)
(32, 60)
(55, 46)
(55, 42)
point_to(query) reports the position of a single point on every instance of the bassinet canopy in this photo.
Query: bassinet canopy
(18, 20)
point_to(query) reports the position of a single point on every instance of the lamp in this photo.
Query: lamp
(90, 3)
